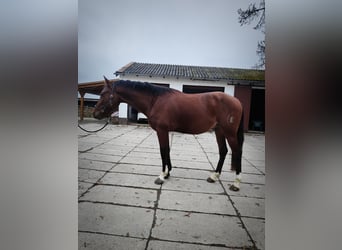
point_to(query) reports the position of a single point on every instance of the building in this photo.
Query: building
(248, 85)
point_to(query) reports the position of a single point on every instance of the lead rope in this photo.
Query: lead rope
(94, 131)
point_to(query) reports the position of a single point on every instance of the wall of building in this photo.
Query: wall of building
(244, 93)
(253, 101)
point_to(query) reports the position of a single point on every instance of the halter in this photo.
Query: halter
(112, 95)
(111, 100)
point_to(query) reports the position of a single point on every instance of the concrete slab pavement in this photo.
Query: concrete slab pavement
(120, 207)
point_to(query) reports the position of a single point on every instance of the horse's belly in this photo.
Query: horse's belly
(195, 127)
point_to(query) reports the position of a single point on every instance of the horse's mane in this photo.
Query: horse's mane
(144, 87)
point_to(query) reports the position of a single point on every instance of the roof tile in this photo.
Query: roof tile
(192, 72)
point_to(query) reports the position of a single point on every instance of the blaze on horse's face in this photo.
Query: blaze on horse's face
(108, 102)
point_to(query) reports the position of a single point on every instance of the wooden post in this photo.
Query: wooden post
(82, 105)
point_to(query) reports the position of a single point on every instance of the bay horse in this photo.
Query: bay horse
(171, 110)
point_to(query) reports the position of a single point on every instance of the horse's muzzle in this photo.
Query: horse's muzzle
(97, 114)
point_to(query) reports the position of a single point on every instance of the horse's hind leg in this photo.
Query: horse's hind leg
(221, 142)
(235, 144)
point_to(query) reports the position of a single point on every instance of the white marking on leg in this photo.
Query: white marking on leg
(215, 176)
(163, 175)
(237, 181)
(239, 176)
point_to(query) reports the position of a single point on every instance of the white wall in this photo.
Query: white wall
(123, 110)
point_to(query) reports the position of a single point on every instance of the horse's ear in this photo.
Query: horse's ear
(107, 82)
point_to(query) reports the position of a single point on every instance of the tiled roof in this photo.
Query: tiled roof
(191, 72)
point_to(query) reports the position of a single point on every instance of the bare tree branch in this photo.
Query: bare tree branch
(261, 53)
(252, 12)
(247, 17)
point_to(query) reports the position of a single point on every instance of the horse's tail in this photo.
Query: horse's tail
(240, 135)
(237, 152)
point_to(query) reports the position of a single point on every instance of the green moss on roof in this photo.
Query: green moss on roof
(246, 74)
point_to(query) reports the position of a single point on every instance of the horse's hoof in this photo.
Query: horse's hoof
(233, 188)
(158, 181)
(167, 176)
(210, 180)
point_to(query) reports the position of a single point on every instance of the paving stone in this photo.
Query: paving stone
(251, 207)
(130, 180)
(198, 186)
(206, 203)
(249, 169)
(97, 165)
(246, 178)
(85, 146)
(137, 169)
(115, 148)
(152, 145)
(92, 241)
(92, 176)
(113, 219)
(134, 136)
(191, 164)
(190, 173)
(253, 178)
(142, 160)
(94, 139)
(183, 138)
(211, 148)
(122, 195)
(109, 151)
(246, 190)
(187, 145)
(100, 157)
(146, 150)
(260, 165)
(255, 155)
(82, 187)
(187, 157)
(144, 155)
(256, 227)
(165, 245)
(178, 149)
(132, 142)
(200, 228)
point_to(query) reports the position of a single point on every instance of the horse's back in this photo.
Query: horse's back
(192, 113)
(218, 101)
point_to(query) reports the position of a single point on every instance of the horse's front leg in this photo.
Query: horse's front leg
(163, 137)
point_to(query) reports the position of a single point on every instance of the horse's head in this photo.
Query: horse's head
(108, 103)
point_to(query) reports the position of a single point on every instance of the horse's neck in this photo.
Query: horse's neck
(140, 101)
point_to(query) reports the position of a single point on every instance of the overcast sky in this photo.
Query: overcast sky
(113, 33)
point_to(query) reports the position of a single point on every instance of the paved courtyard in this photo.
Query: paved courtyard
(120, 207)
